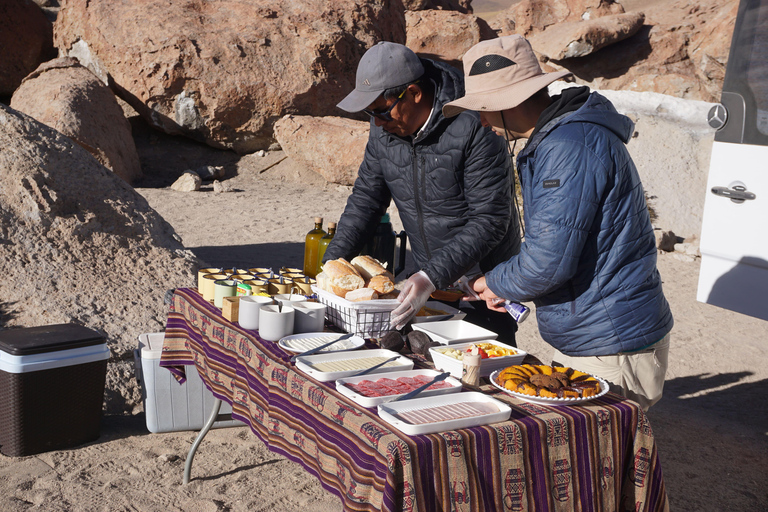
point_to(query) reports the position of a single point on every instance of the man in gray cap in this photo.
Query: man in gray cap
(589, 257)
(449, 179)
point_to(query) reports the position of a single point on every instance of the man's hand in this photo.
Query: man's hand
(493, 301)
(412, 298)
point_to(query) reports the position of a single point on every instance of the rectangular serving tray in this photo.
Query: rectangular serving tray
(369, 401)
(487, 366)
(304, 363)
(389, 413)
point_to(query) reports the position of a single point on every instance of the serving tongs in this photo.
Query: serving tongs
(421, 388)
(374, 367)
(321, 347)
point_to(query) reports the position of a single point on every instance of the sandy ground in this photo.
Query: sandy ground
(711, 426)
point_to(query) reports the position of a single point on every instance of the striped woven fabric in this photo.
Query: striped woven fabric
(597, 456)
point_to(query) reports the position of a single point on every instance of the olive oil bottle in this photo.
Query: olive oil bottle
(323, 245)
(311, 243)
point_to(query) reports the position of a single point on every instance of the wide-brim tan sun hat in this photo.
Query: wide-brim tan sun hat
(500, 74)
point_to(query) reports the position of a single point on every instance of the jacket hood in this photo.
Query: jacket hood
(596, 110)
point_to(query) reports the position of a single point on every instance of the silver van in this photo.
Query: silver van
(734, 235)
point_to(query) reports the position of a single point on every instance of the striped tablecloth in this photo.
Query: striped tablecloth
(598, 456)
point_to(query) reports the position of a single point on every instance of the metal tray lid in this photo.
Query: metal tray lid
(47, 338)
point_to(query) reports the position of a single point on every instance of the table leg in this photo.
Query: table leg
(191, 455)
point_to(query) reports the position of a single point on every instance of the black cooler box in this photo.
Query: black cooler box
(51, 388)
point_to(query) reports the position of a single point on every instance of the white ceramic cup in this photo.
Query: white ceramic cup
(274, 323)
(290, 299)
(309, 317)
(250, 306)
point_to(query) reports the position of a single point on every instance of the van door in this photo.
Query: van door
(734, 236)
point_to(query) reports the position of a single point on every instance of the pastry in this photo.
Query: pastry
(547, 381)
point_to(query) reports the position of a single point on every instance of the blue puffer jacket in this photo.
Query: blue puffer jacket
(588, 260)
(452, 187)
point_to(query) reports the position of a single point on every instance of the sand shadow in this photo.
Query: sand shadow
(716, 399)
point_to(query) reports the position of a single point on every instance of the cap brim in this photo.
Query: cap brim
(358, 100)
(503, 98)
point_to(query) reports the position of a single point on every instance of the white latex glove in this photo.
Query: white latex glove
(412, 298)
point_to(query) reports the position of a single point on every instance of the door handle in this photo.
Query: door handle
(737, 194)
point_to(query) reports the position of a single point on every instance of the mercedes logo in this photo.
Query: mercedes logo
(717, 116)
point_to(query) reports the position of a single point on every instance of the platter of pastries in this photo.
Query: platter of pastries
(549, 385)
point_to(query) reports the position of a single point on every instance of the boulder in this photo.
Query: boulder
(444, 35)
(223, 72)
(530, 17)
(330, 146)
(580, 38)
(67, 97)
(80, 245)
(187, 182)
(26, 39)
(681, 50)
(464, 6)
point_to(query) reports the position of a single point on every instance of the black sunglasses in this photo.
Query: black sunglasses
(386, 115)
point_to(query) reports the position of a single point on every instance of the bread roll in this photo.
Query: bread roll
(339, 277)
(368, 267)
(362, 294)
(339, 268)
(381, 283)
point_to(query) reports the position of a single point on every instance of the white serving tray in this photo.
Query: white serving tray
(542, 400)
(304, 363)
(449, 332)
(389, 413)
(298, 343)
(450, 313)
(370, 401)
(487, 366)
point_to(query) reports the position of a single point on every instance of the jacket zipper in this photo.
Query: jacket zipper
(417, 199)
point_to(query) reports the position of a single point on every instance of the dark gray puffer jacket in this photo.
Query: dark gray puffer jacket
(451, 185)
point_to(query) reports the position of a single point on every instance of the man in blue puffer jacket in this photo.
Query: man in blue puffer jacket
(588, 260)
(450, 180)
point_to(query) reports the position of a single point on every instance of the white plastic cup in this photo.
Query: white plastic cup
(250, 306)
(275, 323)
(309, 317)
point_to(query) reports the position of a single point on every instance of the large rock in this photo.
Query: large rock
(66, 96)
(530, 17)
(681, 50)
(580, 38)
(224, 72)
(444, 35)
(464, 6)
(80, 245)
(26, 40)
(330, 146)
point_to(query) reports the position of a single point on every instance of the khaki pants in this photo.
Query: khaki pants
(638, 376)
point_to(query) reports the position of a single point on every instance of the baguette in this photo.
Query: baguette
(340, 277)
(368, 267)
(339, 268)
(361, 294)
(381, 283)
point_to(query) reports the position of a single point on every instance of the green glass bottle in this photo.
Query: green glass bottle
(311, 243)
(323, 245)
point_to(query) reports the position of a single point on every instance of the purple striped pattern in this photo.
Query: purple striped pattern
(600, 456)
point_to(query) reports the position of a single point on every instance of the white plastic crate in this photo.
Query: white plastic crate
(368, 319)
(168, 405)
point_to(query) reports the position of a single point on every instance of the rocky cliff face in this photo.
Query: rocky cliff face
(223, 72)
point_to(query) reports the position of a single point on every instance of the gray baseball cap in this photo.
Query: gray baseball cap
(383, 66)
